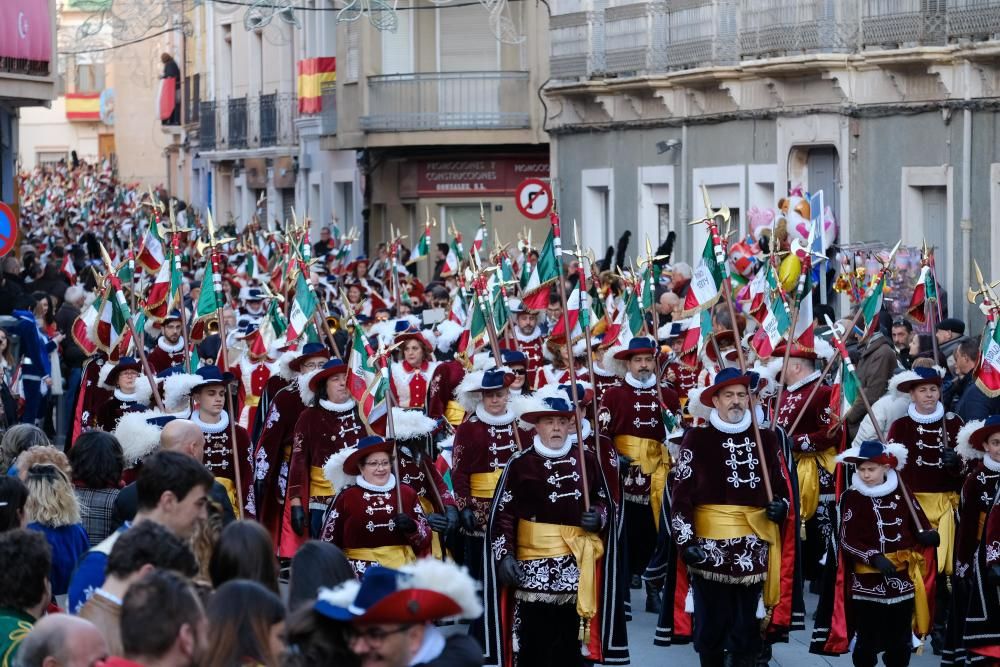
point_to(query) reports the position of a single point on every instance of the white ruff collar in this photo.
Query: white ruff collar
(522, 338)
(804, 381)
(925, 419)
(126, 398)
(162, 343)
(211, 428)
(879, 490)
(720, 424)
(598, 370)
(991, 465)
(377, 488)
(585, 431)
(637, 384)
(337, 407)
(494, 420)
(552, 453)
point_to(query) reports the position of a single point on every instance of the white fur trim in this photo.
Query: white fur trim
(616, 366)
(102, 376)
(281, 367)
(448, 333)
(137, 436)
(465, 392)
(333, 470)
(410, 424)
(307, 395)
(177, 390)
(694, 405)
(823, 349)
(964, 446)
(890, 485)
(447, 579)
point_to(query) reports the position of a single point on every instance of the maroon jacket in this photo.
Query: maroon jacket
(160, 360)
(320, 432)
(924, 442)
(978, 491)
(219, 452)
(812, 433)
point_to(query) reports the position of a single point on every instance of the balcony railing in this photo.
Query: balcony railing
(665, 35)
(328, 112)
(248, 122)
(447, 101)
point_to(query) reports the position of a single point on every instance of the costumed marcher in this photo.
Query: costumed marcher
(517, 362)
(255, 371)
(881, 598)
(557, 371)
(131, 392)
(254, 304)
(550, 551)
(366, 519)
(93, 393)
(632, 415)
(329, 423)
(211, 417)
(169, 349)
(411, 376)
(529, 338)
(725, 526)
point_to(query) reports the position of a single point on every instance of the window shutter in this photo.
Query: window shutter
(466, 42)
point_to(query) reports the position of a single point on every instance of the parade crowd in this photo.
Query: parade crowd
(257, 447)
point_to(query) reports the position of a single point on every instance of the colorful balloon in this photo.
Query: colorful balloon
(789, 271)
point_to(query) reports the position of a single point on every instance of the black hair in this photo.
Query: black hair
(970, 348)
(25, 561)
(316, 565)
(97, 460)
(169, 471)
(13, 496)
(149, 543)
(904, 324)
(244, 551)
(154, 610)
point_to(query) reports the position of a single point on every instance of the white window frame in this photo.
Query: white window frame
(595, 182)
(656, 187)
(911, 211)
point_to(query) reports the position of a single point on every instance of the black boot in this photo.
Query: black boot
(636, 582)
(712, 659)
(652, 598)
(764, 657)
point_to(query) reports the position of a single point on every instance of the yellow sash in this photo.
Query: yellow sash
(805, 464)
(319, 485)
(484, 484)
(940, 511)
(653, 459)
(394, 555)
(454, 413)
(549, 540)
(982, 525)
(913, 563)
(231, 490)
(726, 522)
(251, 401)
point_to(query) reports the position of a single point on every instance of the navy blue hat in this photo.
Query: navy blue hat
(170, 370)
(173, 316)
(494, 378)
(925, 376)
(892, 454)
(513, 358)
(309, 351)
(552, 406)
(330, 368)
(160, 420)
(368, 445)
(724, 378)
(255, 294)
(124, 364)
(211, 375)
(376, 583)
(583, 395)
(388, 596)
(636, 346)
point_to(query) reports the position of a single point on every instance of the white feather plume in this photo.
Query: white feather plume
(410, 424)
(177, 391)
(612, 365)
(964, 446)
(527, 403)
(547, 354)
(143, 390)
(823, 349)
(447, 579)
(893, 448)
(333, 470)
(482, 360)
(694, 405)
(448, 333)
(102, 376)
(308, 395)
(899, 378)
(768, 371)
(342, 596)
(385, 331)
(467, 394)
(137, 436)
(281, 366)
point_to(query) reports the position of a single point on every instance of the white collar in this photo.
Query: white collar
(720, 424)
(991, 465)
(879, 490)
(585, 431)
(804, 381)
(108, 596)
(603, 372)
(376, 488)
(938, 413)
(127, 398)
(637, 384)
(431, 647)
(494, 420)
(211, 428)
(522, 338)
(337, 407)
(551, 453)
(170, 349)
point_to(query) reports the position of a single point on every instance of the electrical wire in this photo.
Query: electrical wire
(118, 46)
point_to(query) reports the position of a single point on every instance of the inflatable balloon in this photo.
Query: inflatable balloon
(789, 271)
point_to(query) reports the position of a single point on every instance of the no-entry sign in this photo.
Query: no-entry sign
(534, 198)
(8, 229)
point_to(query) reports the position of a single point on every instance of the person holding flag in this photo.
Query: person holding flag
(169, 350)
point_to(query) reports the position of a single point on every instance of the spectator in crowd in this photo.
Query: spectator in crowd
(963, 396)
(73, 355)
(52, 283)
(316, 565)
(246, 623)
(921, 347)
(11, 284)
(316, 639)
(680, 279)
(97, 462)
(13, 498)
(61, 640)
(40, 456)
(440, 261)
(17, 439)
(950, 332)
(36, 370)
(245, 551)
(6, 357)
(902, 332)
(172, 490)
(325, 245)
(877, 364)
(25, 561)
(54, 511)
(139, 551)
(163, 623)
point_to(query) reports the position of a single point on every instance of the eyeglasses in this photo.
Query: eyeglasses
(312, 366)
(374, 637)
(377, 464)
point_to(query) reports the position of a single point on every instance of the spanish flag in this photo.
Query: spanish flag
(313, 73)
(83, 106)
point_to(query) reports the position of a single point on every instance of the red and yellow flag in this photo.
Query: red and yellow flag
(313, 73)
(83, 106)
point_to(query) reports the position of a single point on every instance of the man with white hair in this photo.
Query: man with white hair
(73, 355)
(680, 279)
(61, 640)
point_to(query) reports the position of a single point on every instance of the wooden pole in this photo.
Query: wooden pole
(494, 345)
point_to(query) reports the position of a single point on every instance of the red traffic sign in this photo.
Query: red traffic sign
(8, 229)
(534, 198)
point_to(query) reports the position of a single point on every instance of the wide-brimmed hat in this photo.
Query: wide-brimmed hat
(725, 378)
(124, 364)
(253, 294)
(972, 437)
(309, 351)
(637, 346)
(367, 446)
(405, 331)
(550, 406)
(796, 352)
(924, 376)
(492, 379)
(892, 454)
(330, 368)
(211, 375)
(513, 358)
(172, 316)
(724, 337)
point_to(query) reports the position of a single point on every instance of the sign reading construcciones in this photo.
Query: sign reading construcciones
(464, 177)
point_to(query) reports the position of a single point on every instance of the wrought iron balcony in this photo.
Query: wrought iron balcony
(237, 127)
(328, 111)
(248, 122)
(447, 101)
(577, 41)
(206, 127)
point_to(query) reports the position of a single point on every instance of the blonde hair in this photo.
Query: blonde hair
(51, 499)
(40, 455)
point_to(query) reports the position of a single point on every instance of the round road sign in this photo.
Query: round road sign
(8, 229)
(534, 198)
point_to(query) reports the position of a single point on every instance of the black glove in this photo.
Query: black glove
(692, 555)
(993, 575)
(951, 459)
(467, 517)
(405, 523)
(776, 510)
(928, 538)
(298, 520)
(883, 565)
(438, 522)
(258, 493)
(590, 521)
(316, 523)
(509, 572)
(451, 512)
